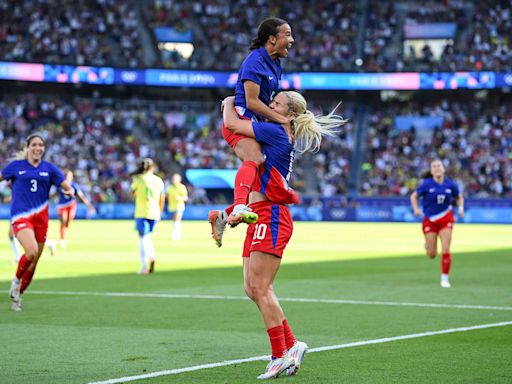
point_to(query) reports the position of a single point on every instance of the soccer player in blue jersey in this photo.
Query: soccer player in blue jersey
(258, 82)
(31, 179)
(438, 193)
(266, 240)
(66, 207)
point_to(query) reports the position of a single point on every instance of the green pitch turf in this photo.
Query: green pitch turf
(88, 317)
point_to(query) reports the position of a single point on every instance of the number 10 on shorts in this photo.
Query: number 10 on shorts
(260, 231)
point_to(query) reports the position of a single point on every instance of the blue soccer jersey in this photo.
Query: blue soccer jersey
(279, 153)
(66, 200)
(30, 186)
(259, 68)
(437, 198)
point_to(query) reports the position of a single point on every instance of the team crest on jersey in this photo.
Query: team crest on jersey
(43, 173)
(431, 190)
(448, 190)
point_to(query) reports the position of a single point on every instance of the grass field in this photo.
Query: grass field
(362, 295)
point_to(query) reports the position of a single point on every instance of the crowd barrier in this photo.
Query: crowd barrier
(326, 209)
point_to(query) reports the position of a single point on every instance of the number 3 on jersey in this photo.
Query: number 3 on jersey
(33, 185)
(260, 231)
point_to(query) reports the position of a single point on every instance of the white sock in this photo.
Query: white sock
(142, 253)
(15, 249)
(444, 276)
(177, 229)
(149, 248)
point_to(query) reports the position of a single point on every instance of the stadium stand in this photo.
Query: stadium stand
(330, 35)
(376, 154)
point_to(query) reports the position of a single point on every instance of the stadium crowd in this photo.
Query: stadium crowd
(474, 140)
(101, 141)
(330, 35)
(82, 32)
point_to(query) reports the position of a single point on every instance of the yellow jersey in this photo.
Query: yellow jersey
(147, 188)
(176, 196)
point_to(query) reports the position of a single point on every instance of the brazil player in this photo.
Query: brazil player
(266, 240)
(66, 207)
(438, 193)
(31, 179)
(177, 196)
(148, 190)
(258, 82)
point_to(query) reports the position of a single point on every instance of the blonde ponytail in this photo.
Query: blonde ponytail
(23, 154)
(308, 129)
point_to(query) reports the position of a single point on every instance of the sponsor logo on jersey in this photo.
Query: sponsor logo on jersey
(22, 172)
(431, 190)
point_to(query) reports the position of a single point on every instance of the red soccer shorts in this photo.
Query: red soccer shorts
(272, 232)
(38, 223)
(436, 226)
(232, 138)
(69, 209)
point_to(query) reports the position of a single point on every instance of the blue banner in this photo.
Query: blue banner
(495, 211)
(212, 178)
(430, 31)
(213, 79)
(169, 34)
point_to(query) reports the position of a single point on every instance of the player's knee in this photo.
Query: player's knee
(31, 252)
(249, 292)
(257, 291)
(431, 253)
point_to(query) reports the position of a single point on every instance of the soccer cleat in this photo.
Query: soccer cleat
(143, 271)
(276, 367)
(242, 214)
(218, 220)
(151, 266)
(16, 305)
(445, 282)
(14, 291)
(296, 352)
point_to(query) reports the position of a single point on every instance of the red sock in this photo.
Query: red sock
(62, 231)
(27, 278)
(243, 181)
(446, 262)
(288, 335)
(277, 341)
(23, 264)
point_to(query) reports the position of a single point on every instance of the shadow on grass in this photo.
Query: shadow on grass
(403, 270)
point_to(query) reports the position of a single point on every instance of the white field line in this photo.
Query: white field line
(319, 349)
(284, 299)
